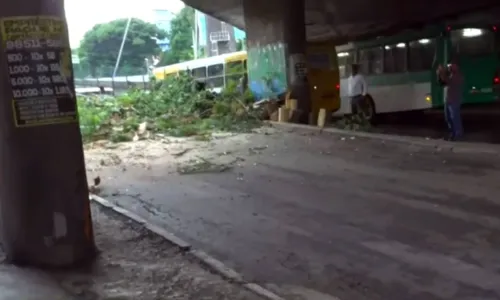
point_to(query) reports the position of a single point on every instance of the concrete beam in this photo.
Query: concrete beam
(347, 19)
(276, 46)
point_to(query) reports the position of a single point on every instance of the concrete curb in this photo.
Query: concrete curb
(207, 260)
(460, 147)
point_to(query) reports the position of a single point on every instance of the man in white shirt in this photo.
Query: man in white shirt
(357, 88)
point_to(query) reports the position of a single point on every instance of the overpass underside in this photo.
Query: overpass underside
(278, 30)
(342, 19)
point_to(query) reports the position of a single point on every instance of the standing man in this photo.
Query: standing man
(357, 89)
(452, 80)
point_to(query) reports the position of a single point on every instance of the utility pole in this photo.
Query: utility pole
(44, 201)
(118, 59)
(195, 35)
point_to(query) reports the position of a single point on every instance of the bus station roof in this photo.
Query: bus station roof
(354, 19)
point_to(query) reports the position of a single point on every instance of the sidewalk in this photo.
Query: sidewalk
(24, 284)
(133, 264)
(458, 147)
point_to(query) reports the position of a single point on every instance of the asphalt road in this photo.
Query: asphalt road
(330, 215)
(481, 124)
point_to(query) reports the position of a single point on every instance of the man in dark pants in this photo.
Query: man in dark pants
(357, 89)
(452, 80)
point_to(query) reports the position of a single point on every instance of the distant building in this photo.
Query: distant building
(162, 18)
(215, 36)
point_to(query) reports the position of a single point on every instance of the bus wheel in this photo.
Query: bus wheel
(369, 110)
(366, 109)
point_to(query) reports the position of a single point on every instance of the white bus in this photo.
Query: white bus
(400, 70)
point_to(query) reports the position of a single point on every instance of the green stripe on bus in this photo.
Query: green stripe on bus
(399, 78)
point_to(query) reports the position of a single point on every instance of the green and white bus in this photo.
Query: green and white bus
(400, 70)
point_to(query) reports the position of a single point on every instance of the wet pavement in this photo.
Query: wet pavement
(481, 124)
(136, 264)
(322, 215)
(20, 283)
(133, 264)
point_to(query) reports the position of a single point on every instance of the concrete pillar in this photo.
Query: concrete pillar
(44, 207)
(276, 46)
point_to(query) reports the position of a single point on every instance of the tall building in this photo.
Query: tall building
(216, 36)
(162, 18)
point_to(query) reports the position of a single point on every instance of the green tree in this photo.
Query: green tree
(241, 45)
(100, 46)
(201, 52)
(180, 37)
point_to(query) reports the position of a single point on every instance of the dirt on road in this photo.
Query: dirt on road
(319, 215)
(135, 264)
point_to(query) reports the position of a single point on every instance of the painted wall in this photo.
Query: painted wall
(274, 30)
(267, 70)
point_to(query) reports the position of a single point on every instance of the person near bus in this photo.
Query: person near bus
(243, 83)
(357, 88)
(452, 80)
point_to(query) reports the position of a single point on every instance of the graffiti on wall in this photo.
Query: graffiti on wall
(267, 70)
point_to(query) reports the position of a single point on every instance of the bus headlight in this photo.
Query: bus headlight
(428, 98)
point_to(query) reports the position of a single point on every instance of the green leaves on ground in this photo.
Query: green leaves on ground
(356, 122)
(173, 107)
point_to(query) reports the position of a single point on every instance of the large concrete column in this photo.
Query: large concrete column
(44, 208)
(276, 46)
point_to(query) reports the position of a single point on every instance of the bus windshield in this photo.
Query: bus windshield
(472, 42)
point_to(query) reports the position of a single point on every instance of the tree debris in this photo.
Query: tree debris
(169, 108)
(201, 165)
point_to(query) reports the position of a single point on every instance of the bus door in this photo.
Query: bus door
(323, 75)
(474, 50)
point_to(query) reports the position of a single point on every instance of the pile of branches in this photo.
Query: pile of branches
(177, 106)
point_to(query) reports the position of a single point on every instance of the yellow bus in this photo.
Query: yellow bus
(217, 72)
(324, 78)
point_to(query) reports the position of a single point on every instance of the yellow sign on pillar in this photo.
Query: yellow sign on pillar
(38, 59)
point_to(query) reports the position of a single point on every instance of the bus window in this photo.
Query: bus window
(215, 82)
(422, 54)
(319, 61)
(215, 76)
(395, 58)
(215, 70)
(199, 72)
(472, 41)
(370, 60)
(345, 59)
(234, 71)
(234, 67)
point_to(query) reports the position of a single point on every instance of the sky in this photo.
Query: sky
(83, 15)
(239, 34)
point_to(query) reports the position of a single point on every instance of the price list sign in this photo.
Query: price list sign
(39, 70)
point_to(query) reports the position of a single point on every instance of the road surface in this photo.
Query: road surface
(481, 124)
(323, 215)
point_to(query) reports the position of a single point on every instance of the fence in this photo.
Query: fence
(119, 84)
